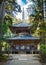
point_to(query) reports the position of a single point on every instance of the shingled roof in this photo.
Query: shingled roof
(24, 37)
(22, 24)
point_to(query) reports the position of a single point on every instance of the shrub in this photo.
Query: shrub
(43, 52)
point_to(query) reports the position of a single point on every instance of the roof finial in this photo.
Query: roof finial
(23, 15)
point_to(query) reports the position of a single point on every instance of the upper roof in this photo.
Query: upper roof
(22, 24)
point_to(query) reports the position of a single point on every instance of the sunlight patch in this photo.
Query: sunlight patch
(22, 59)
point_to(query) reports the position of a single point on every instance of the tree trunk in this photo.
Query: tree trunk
(2, 13)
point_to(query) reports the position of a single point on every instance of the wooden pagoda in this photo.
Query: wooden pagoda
(23, 42)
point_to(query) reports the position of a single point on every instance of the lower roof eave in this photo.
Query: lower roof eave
(24, 41)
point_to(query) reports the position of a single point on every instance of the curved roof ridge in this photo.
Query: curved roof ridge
(22, 24)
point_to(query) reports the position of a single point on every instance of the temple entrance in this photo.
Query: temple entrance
(24, 49)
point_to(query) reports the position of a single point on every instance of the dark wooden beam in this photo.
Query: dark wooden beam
(25, 41)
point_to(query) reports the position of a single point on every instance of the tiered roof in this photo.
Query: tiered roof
(22, 24)
(23, 37)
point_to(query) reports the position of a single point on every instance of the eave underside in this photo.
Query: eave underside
(24, 41)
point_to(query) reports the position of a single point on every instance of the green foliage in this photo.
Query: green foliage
(11, 1)
(39, 15)
(7, 7)
(4, 57)
(8, 19)
(43, 52)
(7, 47)
(7, 23)
(43, 49)
(39, 26)
(43, 27)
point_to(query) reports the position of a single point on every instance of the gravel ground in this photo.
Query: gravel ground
(22, 59)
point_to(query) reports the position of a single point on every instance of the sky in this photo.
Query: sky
(23, 3)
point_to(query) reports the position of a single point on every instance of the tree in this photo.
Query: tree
(6, 7)
(38, 23)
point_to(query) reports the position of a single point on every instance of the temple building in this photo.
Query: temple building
(23, 41)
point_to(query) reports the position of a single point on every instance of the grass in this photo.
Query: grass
(4, 57)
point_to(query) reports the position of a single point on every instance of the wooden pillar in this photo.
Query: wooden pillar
(38, 47)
